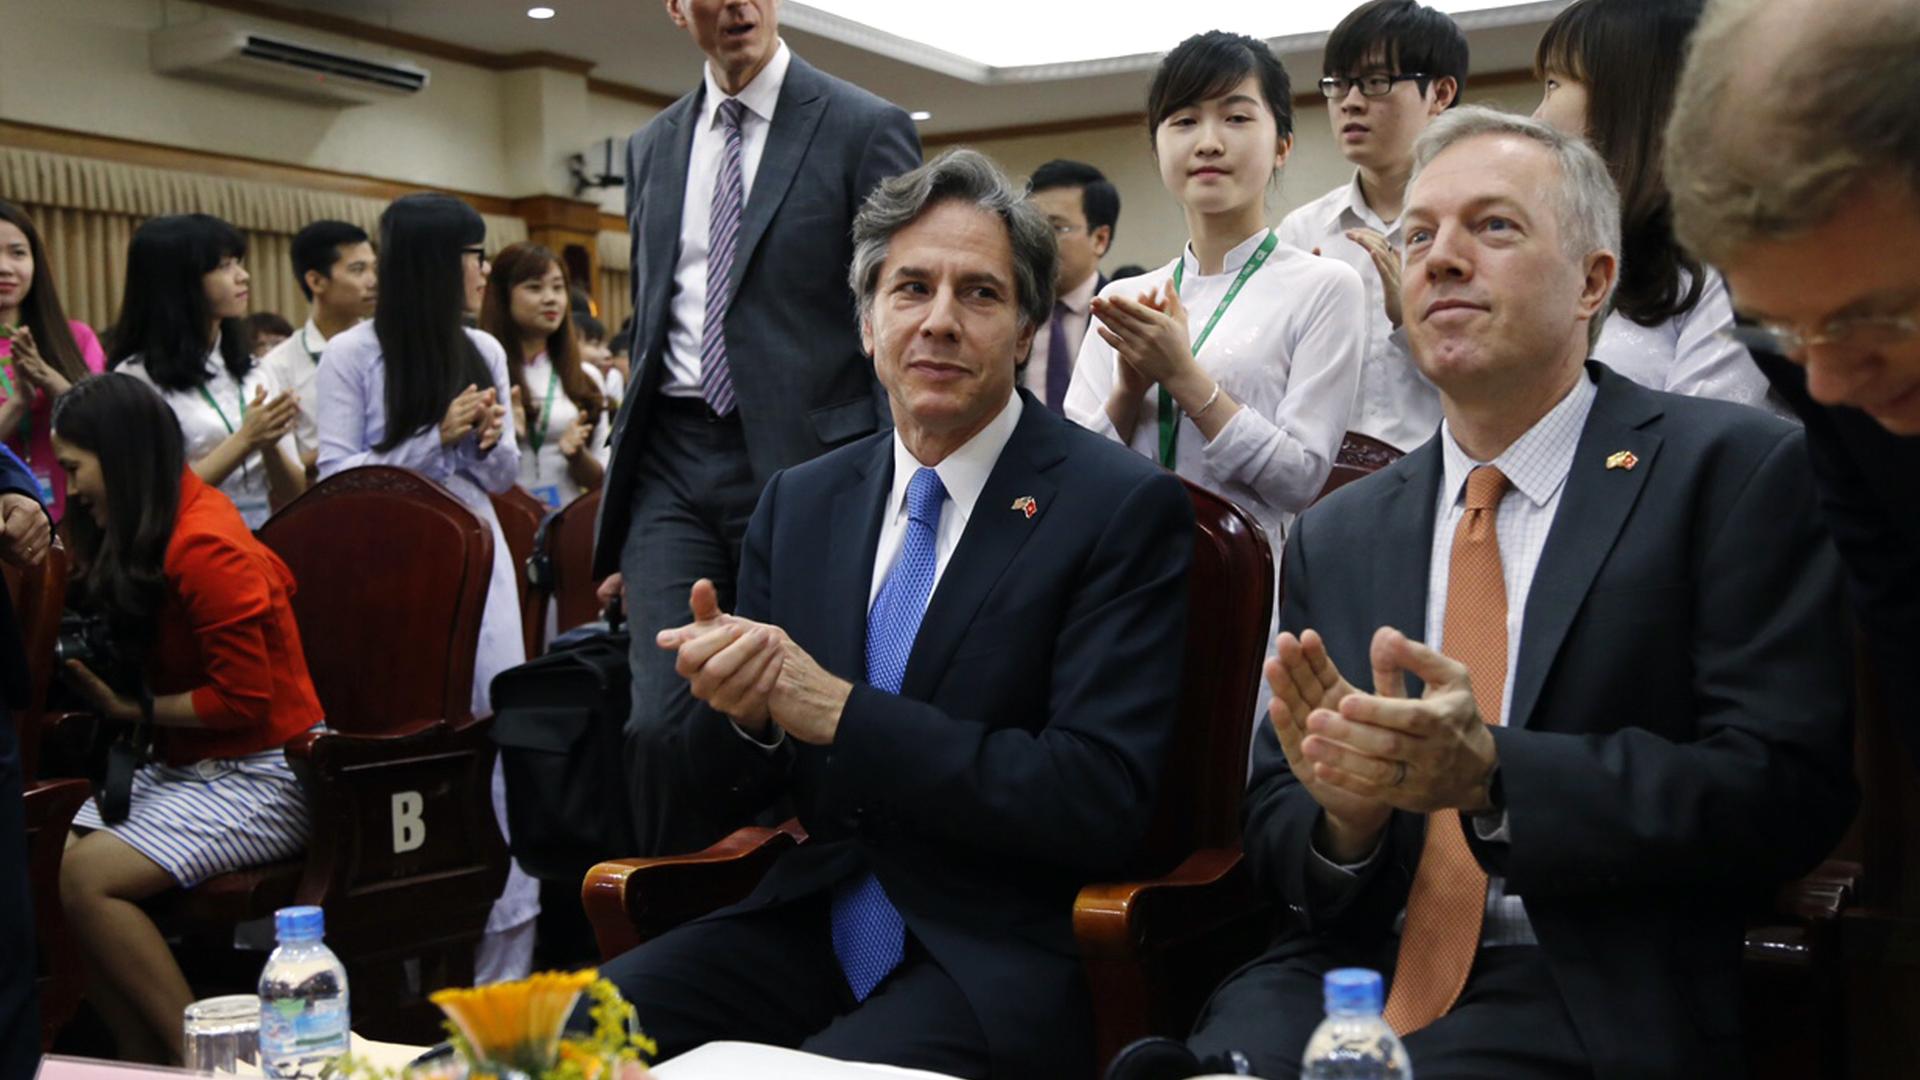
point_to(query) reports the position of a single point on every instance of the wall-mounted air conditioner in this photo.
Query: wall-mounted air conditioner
(231, 53)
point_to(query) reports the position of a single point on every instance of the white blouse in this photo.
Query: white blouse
(1687, 354)
(210, 413)
(1288, 350)
(543, 470)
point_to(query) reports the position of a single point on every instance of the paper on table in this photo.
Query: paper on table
(752, 1061)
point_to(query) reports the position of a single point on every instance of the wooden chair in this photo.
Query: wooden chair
(405, 857)
(39, 594)
(567, 550)
(520, 516)
(50, 806)
(1359, 455)
(1152, 946)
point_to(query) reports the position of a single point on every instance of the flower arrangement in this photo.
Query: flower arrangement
(512, 1030)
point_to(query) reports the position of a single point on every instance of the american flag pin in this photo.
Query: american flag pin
(1026, 505)
(1622, 459)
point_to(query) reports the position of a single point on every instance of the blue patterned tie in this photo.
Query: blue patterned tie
(868, 934)
(723, 232)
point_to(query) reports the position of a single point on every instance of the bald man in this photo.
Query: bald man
(1794, 159)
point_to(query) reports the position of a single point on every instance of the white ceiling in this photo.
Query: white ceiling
(632, 42)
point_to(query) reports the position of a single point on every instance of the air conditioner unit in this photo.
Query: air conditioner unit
(230, 53)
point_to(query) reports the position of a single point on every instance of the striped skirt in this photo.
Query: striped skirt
(201, 820)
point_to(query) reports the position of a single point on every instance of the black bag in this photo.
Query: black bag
(557, 721)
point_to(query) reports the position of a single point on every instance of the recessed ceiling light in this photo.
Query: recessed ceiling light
(920, 114)
(539, 13)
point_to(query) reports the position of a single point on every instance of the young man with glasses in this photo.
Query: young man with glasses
(1083, 207)
(1392, 66)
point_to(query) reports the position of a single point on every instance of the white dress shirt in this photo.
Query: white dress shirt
(964, 474)
(292, 363)
(1687, 354)
(686, 325)
(1288, 351)
(544, 472)
(205, 427)
(1395, 404)
(1536, 466)
(1079, 302)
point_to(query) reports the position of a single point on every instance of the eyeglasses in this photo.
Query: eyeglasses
(476, 251)
(1861, 332)
(1370, 85)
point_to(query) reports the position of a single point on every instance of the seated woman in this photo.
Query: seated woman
(202, 611)
(182, 330)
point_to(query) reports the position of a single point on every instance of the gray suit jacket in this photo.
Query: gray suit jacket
(802, 381)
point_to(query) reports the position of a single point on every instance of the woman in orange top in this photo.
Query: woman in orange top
(201, 613)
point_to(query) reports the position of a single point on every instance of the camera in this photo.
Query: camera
(87, 638)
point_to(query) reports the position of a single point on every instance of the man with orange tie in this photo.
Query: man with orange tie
(1559, 694)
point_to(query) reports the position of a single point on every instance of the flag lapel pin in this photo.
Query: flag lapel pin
(1622, 459)
(1026, 505)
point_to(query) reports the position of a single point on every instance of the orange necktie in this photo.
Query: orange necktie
(1449, 897)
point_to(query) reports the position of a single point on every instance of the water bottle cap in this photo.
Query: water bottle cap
(299, 923)
(1354, 990)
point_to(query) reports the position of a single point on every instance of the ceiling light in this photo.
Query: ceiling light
(540, 13)
(920, 114)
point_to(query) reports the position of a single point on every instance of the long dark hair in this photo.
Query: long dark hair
(1628, 55)
(142, 455)
(164, 313)
(419, 316)
(41, 311)
(524, 262)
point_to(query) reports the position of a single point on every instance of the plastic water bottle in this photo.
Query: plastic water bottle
(303, 998)
(1353, 1042)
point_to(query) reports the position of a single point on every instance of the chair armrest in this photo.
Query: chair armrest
(1116, 921)
(1800, 923)
(631, 901)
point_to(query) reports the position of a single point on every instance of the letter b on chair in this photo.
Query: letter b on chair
(409, 826)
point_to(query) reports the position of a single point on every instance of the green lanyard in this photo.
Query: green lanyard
(537, 428)
(222, 413)
(1169, 415)
(26, 419)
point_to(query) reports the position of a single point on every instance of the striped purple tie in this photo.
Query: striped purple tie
(723, 233)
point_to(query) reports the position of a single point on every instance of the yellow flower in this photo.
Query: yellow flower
(515, 1025)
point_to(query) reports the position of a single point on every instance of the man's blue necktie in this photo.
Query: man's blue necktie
(868, 934)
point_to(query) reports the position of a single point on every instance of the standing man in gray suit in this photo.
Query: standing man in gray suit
(740, 201)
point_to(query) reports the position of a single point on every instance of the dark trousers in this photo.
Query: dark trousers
(693, 494)
(770, 976)
(1509, 1022)
(19, 989)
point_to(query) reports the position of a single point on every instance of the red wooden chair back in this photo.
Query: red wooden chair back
(570, 537)
(520, 515)
(393, 573)
(1359, 455)
(50, 807)
(39, 594)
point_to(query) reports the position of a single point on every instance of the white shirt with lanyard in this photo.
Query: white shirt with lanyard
(551, 413)
(293, 364)
(211, 412)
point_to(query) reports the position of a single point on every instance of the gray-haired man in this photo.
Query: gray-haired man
(1546, 715)
(1794, 159)
(957, 651)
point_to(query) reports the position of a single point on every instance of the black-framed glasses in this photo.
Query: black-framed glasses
(476, 251)
(1370, 85)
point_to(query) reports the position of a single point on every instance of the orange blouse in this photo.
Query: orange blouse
(227, 635)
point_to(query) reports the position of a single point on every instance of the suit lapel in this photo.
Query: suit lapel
(1404, 535)
(795, 117)
(994, 534)
(849, 569)
(665, 205)
(1593, 509)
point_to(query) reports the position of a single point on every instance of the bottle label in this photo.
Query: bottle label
(294, 1028)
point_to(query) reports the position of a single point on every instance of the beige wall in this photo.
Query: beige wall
(1152, 228)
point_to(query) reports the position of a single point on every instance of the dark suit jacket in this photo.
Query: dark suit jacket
(19, 1004)
(1678, 738)
(1021, 758)
(801, 380)
(1869, 481)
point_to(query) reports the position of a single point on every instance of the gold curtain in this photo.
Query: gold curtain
(616, 279)
(87, 210)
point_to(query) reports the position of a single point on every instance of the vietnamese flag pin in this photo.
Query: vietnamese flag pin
(1622, 459)
(1026, 505)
